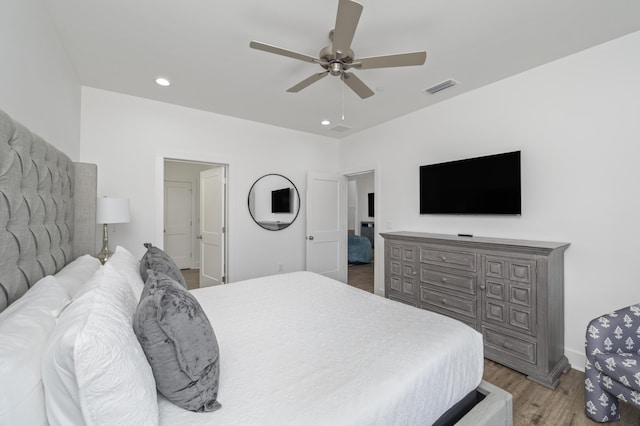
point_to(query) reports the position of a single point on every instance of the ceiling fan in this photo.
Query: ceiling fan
(338, 57)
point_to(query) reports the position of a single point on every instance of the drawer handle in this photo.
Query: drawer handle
(482, 287)
(444, 280)
(414, 273)
(508, 345)
(444, 258)
(444, 301)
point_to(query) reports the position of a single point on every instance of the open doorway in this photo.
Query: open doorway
(361, 230)
(194, 220)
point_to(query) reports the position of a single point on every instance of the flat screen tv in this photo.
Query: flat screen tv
(281, 200)
(482, 186)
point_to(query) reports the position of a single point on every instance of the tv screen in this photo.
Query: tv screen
(281, 200)
(481, 185)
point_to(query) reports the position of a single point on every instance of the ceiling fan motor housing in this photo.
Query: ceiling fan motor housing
(327, 55)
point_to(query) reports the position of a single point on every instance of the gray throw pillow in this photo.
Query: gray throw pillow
(179, 343)
(160, 261)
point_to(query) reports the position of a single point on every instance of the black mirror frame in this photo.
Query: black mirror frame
(249, 202)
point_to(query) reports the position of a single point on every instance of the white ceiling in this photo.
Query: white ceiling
(202, 46)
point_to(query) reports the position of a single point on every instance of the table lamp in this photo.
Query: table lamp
(110, 210)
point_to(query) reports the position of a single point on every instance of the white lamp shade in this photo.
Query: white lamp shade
(112, 210)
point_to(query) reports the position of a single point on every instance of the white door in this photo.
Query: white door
(212, 223)
(327, 225)
(177, 222)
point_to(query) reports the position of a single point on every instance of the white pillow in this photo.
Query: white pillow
(94, 370)
(24, 329)
(126, 263)
(78, 272)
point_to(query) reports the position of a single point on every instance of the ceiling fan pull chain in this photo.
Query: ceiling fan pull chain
(342, 78)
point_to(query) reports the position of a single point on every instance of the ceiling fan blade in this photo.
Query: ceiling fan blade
(307, 82)
(399, 60)
(346, 22)
(355, 84)
(284, 52)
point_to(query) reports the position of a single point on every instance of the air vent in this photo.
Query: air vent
(340, 128)
(441, 86)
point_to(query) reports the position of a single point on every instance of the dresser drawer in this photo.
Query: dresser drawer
(402, 269)
(445, 303)
(496, 341)
(405, 253)
(452, 259)
(403, 286)
(510, 305)
(515, 270)
(464, 284)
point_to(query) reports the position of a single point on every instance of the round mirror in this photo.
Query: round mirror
(274, 202)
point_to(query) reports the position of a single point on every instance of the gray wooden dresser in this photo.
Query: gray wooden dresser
(512, 291)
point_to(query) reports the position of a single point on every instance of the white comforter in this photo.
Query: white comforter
(302, 349)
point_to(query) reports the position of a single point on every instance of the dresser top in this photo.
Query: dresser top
(474, 241)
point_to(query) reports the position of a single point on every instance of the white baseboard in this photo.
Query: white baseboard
(576, 359)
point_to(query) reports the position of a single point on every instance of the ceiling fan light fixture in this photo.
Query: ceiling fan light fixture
(325, 122)
(335, 68)
(161, 81)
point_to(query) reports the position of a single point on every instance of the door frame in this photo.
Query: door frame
(356, 231)
(378, 271)
(209, 158)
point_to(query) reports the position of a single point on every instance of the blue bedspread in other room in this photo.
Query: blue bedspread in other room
(359, 250)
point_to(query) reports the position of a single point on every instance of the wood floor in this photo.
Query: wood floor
(534, 404)
(191, 277)
(361, 276)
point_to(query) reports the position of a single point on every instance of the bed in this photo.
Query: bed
(359, 250)
(295, 348)
(335, 354)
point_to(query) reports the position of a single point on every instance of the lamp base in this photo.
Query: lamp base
(105, 253)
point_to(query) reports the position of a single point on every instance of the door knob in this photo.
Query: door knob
(310, 237)
(199, 237)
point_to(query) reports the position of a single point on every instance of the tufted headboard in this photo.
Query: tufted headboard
(47, 209)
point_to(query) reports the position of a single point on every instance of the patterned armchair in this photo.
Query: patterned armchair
(612, 371)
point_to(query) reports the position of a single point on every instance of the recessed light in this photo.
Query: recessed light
(325, 122)
(161, 81)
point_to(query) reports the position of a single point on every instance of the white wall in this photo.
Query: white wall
(38, 85)
(577, 122)
(125, 136)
